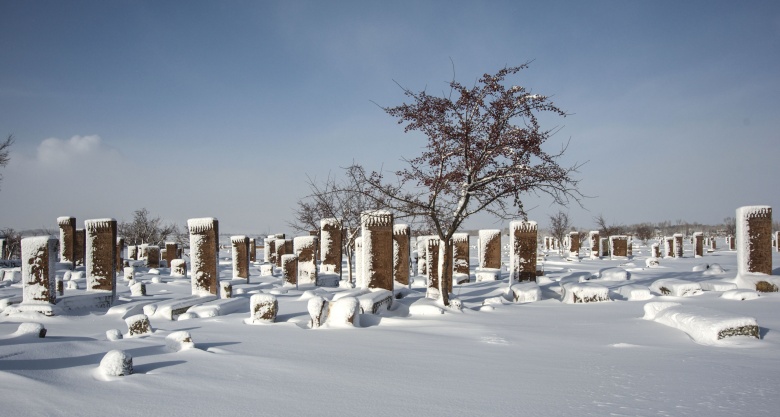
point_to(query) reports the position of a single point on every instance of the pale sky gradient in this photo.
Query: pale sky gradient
(195, 109)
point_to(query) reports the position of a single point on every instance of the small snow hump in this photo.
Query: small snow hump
(117, 363)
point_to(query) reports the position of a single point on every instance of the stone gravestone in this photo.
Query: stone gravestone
(522, 255)
(101, 255)
(330, 246)
(67, 239)
(754, 243)
(240, 256)
(204, 250)
(377, 232)
(39, 292)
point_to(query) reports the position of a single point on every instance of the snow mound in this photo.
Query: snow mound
(113, 334)
(376, 301)
(714, 269)
(676, 287)
(178, 341)
(36, 329)
(487, 274)
(717, 285)
(703, 325)
(700, 267)
(652, 262)
(634, 292)
(614, 274)
(576, 292)
(116, 363)
(343, 312)
(526, 292)
(740, 295)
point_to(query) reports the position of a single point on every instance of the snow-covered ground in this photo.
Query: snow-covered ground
(494, 357)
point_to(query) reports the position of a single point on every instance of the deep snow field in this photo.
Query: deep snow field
(543, 358)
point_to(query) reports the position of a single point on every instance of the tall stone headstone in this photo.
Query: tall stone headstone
(120, 248)
(754, 240)
(269, 250)
(432, 244)
(655, 250)
(39, 291)
(153, 256)
(358, 272)
(668, 246)
(252, 250)
(490, 248)
(401, 241)
(522, 255)
(101, 255)
(618, 246)
(460, 255)
(678, 245)
(81, 246)
(574, 245)
(422, 257)
(593, 237)
(171, 252)
(698, 244)
(604, 246)
(281, 249)
(330, 245)
(3, 248)
(305, 248)
(67, 239)
(777, 241)
(132, 252)
(204, 250)
(289, 266)
(240, 252)
(377, 232)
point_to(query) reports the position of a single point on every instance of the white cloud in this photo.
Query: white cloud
(54, 151)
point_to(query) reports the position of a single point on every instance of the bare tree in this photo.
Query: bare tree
(5, 149)
(730, 225)
(13, 242)
(146, 229)
(483, 153)
(644, 232)
(559, 225)
(342, 200)
(606, 229)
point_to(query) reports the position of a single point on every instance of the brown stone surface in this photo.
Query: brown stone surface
(669, 247)
(252, 250)
(698, 245)
(619, 246)
(171, 252)
(401, 242)
(204, 243)
(377, 232)
(523, 242)
(81, 246)
(595, 241)
(678, 245)
(38, 263)
(305, 248)
(132, 252)
(289, 265)
(432, 262)
(153, 256)
(756, 224)
(269, 250)
(460, 253)
(574, 244)
(490, 245)
(120, 247)
(240, 256)
(67, 238)
(330, 245)
(101, 255)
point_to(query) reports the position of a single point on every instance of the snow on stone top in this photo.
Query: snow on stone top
(331, 221)
(238, 239)
(522, 225)
(401, 229)
(64, 220)
(201, 225)
(489, 233)
(300, 242)
(754, 211)
(460, 237)
(95, 224)
(371, 218)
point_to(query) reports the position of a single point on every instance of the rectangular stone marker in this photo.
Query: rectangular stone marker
(132, 252)
(252, 250)
(330, 246)
(377, 232)
(171, 252)
(490, 248)
(358, 273)
(593, 237)
(120, 248)
(152, 256)
(678, 245)
(269, 250)
(305, 248)
(422, 255)
(240, 252)
(754, 240)
(3, 248)
(81, 245)
(204, 250)
(101, 255)
(618, 246)
(604, 246)
(67, 239)
(655, 250)
(460, 256)
(668, 247)
(402, 239)
(39, 286)
(522, 255)
(289, 267)
(142, 251)
(777, 242)
(432, 244)
(281, 249)
(698, 244)
(574, 245)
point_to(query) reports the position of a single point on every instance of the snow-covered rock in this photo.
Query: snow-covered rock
(116, 363)
(676, 287)
(181, 340)
(576, 292)
(703, 325)
(525, 292)
(138, 325)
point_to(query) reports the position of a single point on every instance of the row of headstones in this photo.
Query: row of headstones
(616, 246)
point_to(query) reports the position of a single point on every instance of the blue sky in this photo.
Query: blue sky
(222, 109)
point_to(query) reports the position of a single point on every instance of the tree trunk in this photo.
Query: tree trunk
(445, 270)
